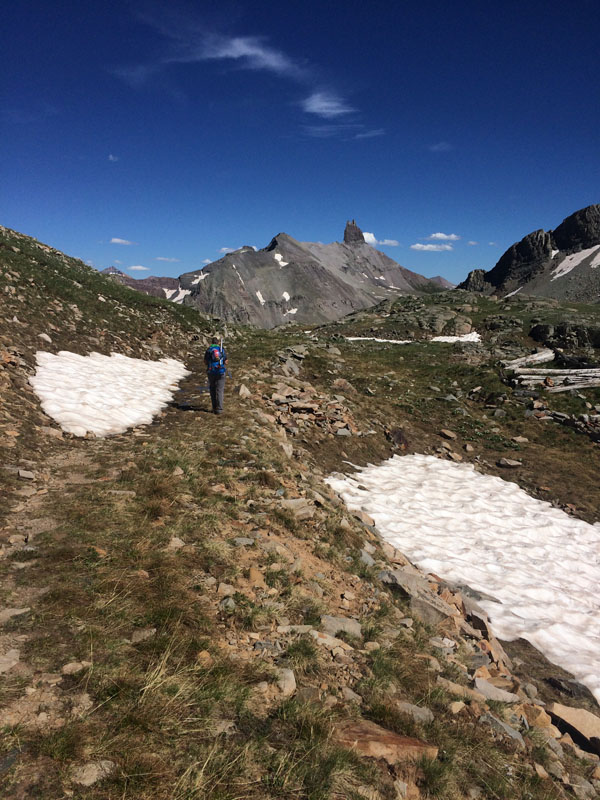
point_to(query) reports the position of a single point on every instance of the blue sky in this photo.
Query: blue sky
(154, 134)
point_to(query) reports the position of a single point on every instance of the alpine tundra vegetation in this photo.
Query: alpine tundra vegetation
(239, 607)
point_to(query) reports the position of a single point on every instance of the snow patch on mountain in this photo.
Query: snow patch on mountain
(570, 262)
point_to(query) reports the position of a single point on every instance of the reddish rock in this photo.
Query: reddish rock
(371, 740)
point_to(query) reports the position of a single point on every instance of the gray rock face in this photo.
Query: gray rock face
(522, 259)
(307, 283)
(353, 233)
(580, 230)
(547, 263)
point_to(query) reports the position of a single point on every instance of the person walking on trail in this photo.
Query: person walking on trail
(215, 359)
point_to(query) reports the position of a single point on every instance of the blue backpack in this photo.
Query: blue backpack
(216, 360)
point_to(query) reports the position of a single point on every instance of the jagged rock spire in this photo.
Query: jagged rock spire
(353, 233)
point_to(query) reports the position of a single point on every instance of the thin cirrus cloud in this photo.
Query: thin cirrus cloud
(112, 157)
(226, 249)
(190, 42)
(441, 147)
(444, 237)
(472, 243)
(115, 240)
(138, 268)
(164, 258)
(371, 134)
(371, 239)
(431, 248)
(326, 104)
(251, 52)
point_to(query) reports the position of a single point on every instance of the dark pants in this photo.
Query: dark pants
(217, 391)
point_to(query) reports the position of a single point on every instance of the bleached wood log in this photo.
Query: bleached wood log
(565, 387)
(552, 372)
(533, 358)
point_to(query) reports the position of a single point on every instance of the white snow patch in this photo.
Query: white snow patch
(541, 565)
(466, 337)
(380, 278)
(554, 253)
(103, 394)
(510, 294)
(285, 296)
(279, 257)
(181, 293)
(170, 292)
(261, 299)
(290, 311)
(238, 274)
(373, 339)
(570, 262)
(200, 277)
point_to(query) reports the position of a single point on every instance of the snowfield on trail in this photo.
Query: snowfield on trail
(541, 566)
(103, 394)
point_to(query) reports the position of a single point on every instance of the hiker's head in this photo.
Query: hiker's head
(215, 340)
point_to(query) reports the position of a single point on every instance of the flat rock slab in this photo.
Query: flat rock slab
(92, 772)
(332, 625)
(301, 509)
(9, 613)
(371, 740)
(491, 692)
(501, 727)
(582, 723)
(9, 660)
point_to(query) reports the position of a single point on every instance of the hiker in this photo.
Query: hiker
(215, 359)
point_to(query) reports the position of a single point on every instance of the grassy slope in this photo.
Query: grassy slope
(110, 508)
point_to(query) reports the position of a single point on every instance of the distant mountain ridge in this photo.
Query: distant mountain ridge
(305, 282)
(562, 263)
(168, 288)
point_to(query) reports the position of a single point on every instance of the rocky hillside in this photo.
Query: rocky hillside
(562, 263)
(189, 611)
(302, 282)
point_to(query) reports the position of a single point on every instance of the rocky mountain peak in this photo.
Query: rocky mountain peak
(579, 231)
(353, 234)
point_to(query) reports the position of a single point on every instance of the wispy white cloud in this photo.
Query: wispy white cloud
(326, 104)
(226, 249)
(433, 248)
(371, 239)
(112, 157)
(371, 134)
(116, 260)
(251, 52)
(206, 261)
(163, 258)
(472, 243)
(444, 237)
(342, 130)
(115, 240)
(441, 147)
(139, 268)
(493, 244)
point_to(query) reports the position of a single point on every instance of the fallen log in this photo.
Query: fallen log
(532, 358)
(551, 373)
